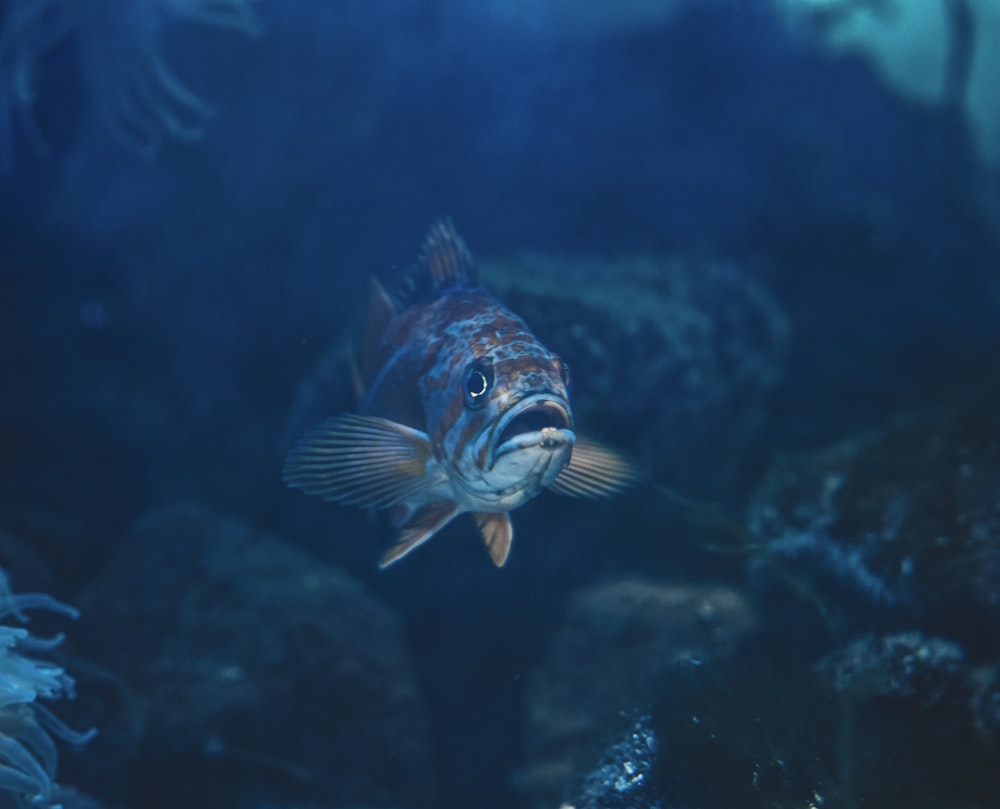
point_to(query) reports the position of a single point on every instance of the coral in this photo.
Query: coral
(137, 95)
(28, 755)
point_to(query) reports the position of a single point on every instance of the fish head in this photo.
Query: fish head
(508, 429)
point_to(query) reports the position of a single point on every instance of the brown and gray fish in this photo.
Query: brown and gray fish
(462, 409)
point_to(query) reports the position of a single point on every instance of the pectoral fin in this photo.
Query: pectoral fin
(361, 460)
(497, 532)
(594, 471)
(421, 527)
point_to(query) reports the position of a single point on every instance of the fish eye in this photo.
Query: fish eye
(478, 381)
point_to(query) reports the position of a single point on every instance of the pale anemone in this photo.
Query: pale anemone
(28, 755)
(137, 94)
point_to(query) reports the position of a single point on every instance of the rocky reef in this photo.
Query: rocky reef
(902, 524)
(608, 657)
(865, 645)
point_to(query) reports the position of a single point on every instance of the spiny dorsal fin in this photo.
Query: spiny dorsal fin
(381, 310)
(447, 258)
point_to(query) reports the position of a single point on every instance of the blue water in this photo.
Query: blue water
(170, 309)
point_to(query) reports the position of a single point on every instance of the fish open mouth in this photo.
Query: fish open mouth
(536, 421)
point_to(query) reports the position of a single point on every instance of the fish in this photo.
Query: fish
(461, 409)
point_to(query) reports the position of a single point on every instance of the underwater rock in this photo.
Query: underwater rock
(903, 523)
(909, 668)
(748, 731)
(686, 350)
(608, 658)
(624, 777)
(902, 665)
(257, 675)
(742, 731)
(985, 705)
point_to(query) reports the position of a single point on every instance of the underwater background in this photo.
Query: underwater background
(764, 235)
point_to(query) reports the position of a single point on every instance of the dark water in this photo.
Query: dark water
(775, 279)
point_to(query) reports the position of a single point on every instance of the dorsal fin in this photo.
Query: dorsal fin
(446, 257)
(380, 311)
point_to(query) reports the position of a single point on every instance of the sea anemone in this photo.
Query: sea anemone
(137, 95)
(28, 755)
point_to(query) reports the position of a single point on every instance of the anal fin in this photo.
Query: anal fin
(418, 529)
(498, 532)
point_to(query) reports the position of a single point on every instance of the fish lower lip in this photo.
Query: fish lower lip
(540, 423)
(546, 438)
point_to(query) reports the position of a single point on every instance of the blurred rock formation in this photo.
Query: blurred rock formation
(904, 521)
(252, 674)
